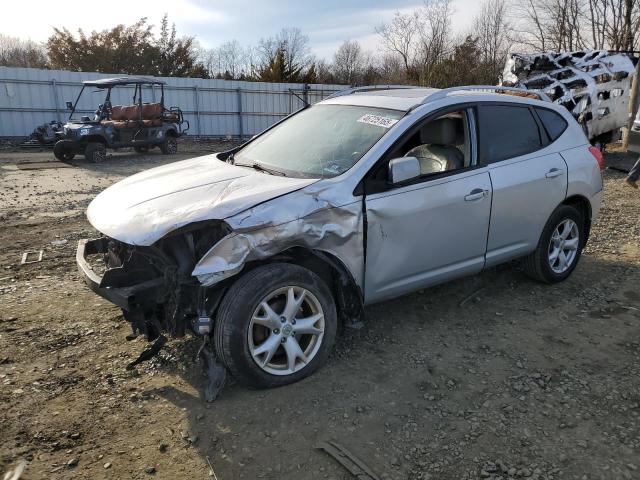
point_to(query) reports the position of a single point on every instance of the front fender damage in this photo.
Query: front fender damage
(334, 230)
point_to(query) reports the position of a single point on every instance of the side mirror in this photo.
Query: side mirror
(403, 169)
(69, 105)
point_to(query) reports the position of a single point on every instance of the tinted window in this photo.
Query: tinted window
(553, 123)
(507, 132)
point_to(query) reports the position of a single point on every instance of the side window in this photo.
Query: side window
(440, 145)
(506, 132)
(553, 123)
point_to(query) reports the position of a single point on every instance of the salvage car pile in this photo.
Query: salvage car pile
(593, 85)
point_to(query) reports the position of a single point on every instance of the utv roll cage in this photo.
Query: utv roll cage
(172, 114)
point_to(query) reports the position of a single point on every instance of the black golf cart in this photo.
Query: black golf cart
(139, 125)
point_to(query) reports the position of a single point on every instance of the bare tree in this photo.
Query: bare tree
(293, 44)
(15, 52)
(552, 25)
(399, 38)
(433, 23)
(390, 69)
(493, 34)
(349, 63)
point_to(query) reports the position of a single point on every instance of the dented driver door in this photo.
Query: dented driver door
(426, 233)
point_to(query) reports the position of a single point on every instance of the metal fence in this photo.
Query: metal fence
(215, 108)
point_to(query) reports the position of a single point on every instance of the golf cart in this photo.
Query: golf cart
(139, 125)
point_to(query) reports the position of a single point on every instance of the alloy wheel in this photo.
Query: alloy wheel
(286, 330)
(563, 246)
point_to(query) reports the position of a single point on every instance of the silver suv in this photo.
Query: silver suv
(266, 249)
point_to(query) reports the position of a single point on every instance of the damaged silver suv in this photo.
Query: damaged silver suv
(266, 249)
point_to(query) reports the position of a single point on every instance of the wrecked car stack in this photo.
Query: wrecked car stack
(593, 85)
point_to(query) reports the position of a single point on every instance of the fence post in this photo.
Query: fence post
(305, 94)
(55, 99)
(633, 106)
(240, 126)
(197, 102)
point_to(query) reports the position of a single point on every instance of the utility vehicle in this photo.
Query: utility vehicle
(139, 125)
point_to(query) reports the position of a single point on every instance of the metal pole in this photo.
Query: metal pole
(305, 94)
(633, 105)
(197, 102)
(240, 126)
(55, 99)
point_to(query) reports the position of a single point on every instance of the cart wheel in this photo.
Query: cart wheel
(169, 146)
(95, 152)
(62, 151)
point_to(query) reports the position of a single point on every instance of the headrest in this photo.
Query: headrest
(117, 113)
(131, 112)
(444, 131)
(151, 111)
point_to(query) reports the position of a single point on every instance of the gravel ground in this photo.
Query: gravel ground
(522, 381)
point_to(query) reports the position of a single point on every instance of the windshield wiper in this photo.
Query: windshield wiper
(261, 168)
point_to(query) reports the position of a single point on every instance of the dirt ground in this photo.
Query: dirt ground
(521, 380)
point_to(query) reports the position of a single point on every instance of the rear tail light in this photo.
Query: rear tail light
(597, 153)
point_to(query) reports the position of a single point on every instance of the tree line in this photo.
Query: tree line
(419, 47)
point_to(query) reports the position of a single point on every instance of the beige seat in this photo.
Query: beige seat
(438, 151)
(128, 116)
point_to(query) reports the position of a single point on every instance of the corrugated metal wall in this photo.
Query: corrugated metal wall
(214, 108)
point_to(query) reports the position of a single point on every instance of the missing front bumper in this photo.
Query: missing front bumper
(128, 298)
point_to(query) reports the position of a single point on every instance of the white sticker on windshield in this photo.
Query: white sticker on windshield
(384, 122)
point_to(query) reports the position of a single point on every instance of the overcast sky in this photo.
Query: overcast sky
(327, 22)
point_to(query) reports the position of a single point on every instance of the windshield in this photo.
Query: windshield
(320, 141)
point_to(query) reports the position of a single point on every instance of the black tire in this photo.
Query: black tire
(62, 151)
(141, 149)
(95, 152)
(234, 319)
(169, 146)
(537, 264)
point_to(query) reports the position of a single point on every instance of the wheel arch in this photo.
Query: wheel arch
(582, 204)
(94, 139)
(346, 292)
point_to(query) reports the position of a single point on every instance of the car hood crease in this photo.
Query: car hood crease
(145, 207)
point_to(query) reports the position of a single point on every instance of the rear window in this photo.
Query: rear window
(553, 123)
(507, 132)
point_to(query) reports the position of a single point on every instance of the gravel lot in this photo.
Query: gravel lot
(521, 381)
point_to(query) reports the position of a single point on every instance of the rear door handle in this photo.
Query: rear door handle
(553, 173)
(476, 194)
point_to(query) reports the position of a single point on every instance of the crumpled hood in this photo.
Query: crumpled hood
(143, 208)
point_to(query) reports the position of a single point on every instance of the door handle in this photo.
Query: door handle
(553, 173)
(476, 194)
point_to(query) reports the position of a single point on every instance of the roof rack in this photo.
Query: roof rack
(368, 88)
(523, 92)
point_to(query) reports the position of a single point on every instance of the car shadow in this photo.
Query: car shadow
(409, 385)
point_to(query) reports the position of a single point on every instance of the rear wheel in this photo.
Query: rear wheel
(169, 146)
(62, 151)
(559, 248)
(95, 152)
(276, 325)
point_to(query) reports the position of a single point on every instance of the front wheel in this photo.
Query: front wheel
(95, 152)
(276, 325)
(169, 146)
(63, 151)
(559, 248)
